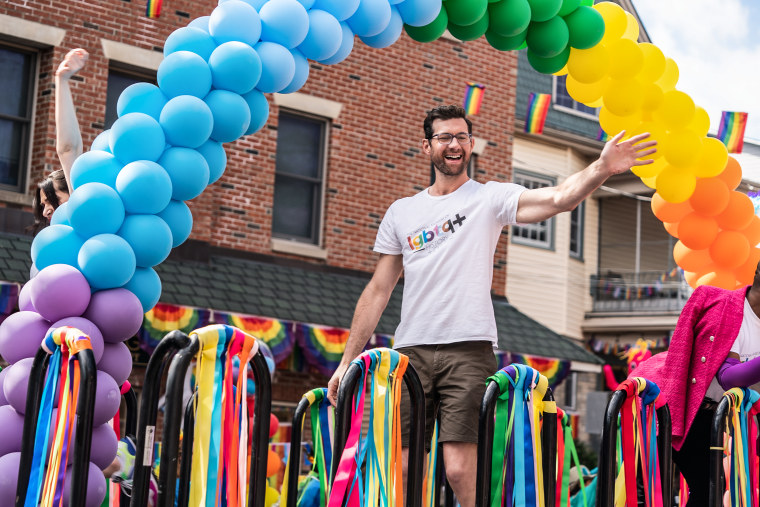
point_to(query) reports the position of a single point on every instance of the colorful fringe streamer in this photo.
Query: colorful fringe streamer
(164, 318)
(153, 8)
(473, 98)
(277, 334)
(538, 107)
(731, 130)
(741, 450)
(567, 455)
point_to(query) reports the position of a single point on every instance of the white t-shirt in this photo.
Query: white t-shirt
(448, 244)
(747, 345)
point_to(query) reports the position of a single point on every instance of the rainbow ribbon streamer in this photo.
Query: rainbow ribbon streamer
(538, 107)
(742, 467)
(164, 318)
(473, 98)
(153, 8)
(731, 130)
(567, 455)
(277, 334)
(555, 370)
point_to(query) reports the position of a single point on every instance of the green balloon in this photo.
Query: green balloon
(465, 12)
(470, 32)
(509, 17)
(543, 10)
(548, 38)
(506, 43)
(548, 65)
(431, 32)
(568, 6)
(586, 27)
(587, 3)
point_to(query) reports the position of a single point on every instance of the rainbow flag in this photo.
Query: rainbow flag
(731, 130)
(163, 318)
(555, 370)
(602, 135)
(322, 346)
(153, 8)
(277, 334)
(538, 106)
(473, 97)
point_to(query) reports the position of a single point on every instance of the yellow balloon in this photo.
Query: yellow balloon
(612, 123)
(632, 27)
(597, 103)
(585, 93)
(656, 133)
(675, 185)
(701, 122)
(667, 81)
(562, 71)
(651, 96)
(626, 59)
(654, 62)
(676, 111)
(623, 97)
(650, 182)
(712, 158)
(615, 21)
(650, 170)
(588, 65)
(271, 496)
(681, 147)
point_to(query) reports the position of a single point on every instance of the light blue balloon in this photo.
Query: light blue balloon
(141, 98)
(324, 37)
(61, 215)
(259, 107)
(278, 66)
(107, 261)
(346, 46)
(200, 23)
(284, 22)
(187, 121)
(388, 36)
(56, 244)
(188, 171)
(144, 186)
(146, 285)
(149, 237)
(101, 142)
(215, 156)
(419, 12)
(235, 66)
(95, 208)
(341, 9)
(235, 21)
(179, 219)
(184, 73)
(95, 166)
(136, 136)
(231, 115)
(190, 38)
(301, 74)
(371, 18)
(256, 4)
(307, 4)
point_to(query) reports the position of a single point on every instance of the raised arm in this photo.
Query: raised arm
(369, 308)
(616, 158)
(68, 138)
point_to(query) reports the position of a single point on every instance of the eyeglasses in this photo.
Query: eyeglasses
(445, 139)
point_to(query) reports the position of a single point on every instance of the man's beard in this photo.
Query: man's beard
(440, 164)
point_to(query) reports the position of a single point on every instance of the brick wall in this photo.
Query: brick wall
(374, 155)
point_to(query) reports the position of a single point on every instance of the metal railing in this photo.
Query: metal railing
(642, 291)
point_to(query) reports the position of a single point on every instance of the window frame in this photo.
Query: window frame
(571, 391)
(580, 211)
(143, 75)
(558, 86)
(514, 236)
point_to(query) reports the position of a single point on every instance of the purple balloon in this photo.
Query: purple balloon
(117, 313)
(88, 328)
(107, 399)
(9, 477)
(96, 488)
(60, 291)
(104, 446)
(25, 298)
(21, 335)
(12, 424)
(3, 399)
(116, 361)
(16, 384)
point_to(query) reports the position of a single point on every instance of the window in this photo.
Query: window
(17, 73)
(571, 391)
(576, 231)
(118, 81)
(299, 177)
(539, 234)
(563, 100)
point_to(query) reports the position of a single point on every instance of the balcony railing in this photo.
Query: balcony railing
(644, 291)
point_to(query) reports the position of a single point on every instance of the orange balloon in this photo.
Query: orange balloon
(697, 231)
(671, 228)
(710, 197)
(691, 278)
(732, 173)
(752, 231)
(274, 425)
(274, 462)
(669, 211)
(738, 213)
(691, 260)
(729, 250)
(745, 273)
(719, 278)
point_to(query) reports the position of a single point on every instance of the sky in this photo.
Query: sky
(716, 45)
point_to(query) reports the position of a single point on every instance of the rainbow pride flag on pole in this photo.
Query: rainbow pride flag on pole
(731, 130)
(538, 106)
(602, 135)
(153, 8)
(473, 97)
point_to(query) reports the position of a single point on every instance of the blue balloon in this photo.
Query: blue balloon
(107, 261)
(371, 18)
(101, 142)
(188, 171)
(301, 74)
(141, 98)
(387, 36)
(231, 115)
(187, 121)
(324, 36)
(146, 285)
(256, 4)
(184, 73)
(144, 186)
(56, 244)
(284, 22)
(137, 136)
(235, 66)
(215, 156)
(179, 219)
(190, 38)
(278, 66)
(307, 4)
(346, 46)
(95, 167)
(235, 21)
(257, 103)
(95, 208)
(149, 237)
(419, 12)
(61, 215)
(341, 9)
(200, 23)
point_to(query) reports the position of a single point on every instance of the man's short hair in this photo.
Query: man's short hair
(444, 113)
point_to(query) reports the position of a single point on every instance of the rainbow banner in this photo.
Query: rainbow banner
(164, 318)
(731, 130)
(555, 370)
(8, 299)
(602, 135)
(153, 8)
(473, 97)
(538, 107)
(277, 334)
(322, 346)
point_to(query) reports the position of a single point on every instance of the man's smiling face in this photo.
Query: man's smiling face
(451, 159)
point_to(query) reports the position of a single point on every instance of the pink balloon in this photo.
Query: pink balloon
(96, 487)
(88, 328)
(117, 312)
(104, 446)
(107, 399)
(12, 424)
(116, 361)
(60, 291)
(9, 477)
(21, 335)
(25, 297)
(16, 383)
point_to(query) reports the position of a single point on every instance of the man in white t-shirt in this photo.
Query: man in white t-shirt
(444, 239)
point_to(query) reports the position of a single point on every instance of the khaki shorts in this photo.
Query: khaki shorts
(453, 377)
